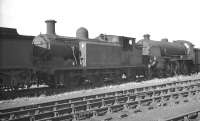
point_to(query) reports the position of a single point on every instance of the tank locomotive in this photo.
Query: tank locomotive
(74, 61)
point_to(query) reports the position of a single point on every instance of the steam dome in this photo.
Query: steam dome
(82, 33)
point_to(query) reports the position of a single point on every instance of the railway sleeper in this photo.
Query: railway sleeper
(95, 105)
(64, 111)
(116, 108)
(69, 117)
(132, 105)
(139, 90)
(80, 108)
(109, 102)
(172, 89)
(149, 94)
(131, 91)
(175, 96)
(123, 115)
(83, 115)
(121, 99)
(137, 111)
(101, 111)
(177, 102)
(166, 98)
(131, 98)
(185, 94)
(157, 93)
(146, 102)
(157, 99)
(140, 97)
(164, 92)
(44, 115)
(150, 107)
(165, 104)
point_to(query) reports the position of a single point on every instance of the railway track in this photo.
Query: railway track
(37, 91)
(32, 92)
(190, 116)
(85, 107)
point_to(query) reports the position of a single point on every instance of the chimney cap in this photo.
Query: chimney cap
(164, 39)
(146, 35)
(50, 20)
(50, 26)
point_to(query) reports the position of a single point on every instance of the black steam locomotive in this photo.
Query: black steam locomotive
(169, 58)
(80, 61)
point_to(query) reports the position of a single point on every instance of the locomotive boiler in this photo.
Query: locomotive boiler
(165, 57)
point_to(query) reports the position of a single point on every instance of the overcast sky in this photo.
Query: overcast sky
(172, 19)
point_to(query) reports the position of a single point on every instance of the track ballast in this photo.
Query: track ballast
(86, 107)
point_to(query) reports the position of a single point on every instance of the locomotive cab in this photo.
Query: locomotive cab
(127, 43)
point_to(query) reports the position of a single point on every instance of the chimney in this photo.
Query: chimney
(164, 40)
(50, 27)
(146, 37)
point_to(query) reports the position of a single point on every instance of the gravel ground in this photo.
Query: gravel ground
(158, 114)
(35, 100)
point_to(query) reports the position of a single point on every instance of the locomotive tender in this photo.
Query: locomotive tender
(80, 61)
(15, 59)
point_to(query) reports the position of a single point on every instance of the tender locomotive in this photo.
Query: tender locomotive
(80, 61)
(163, 57)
